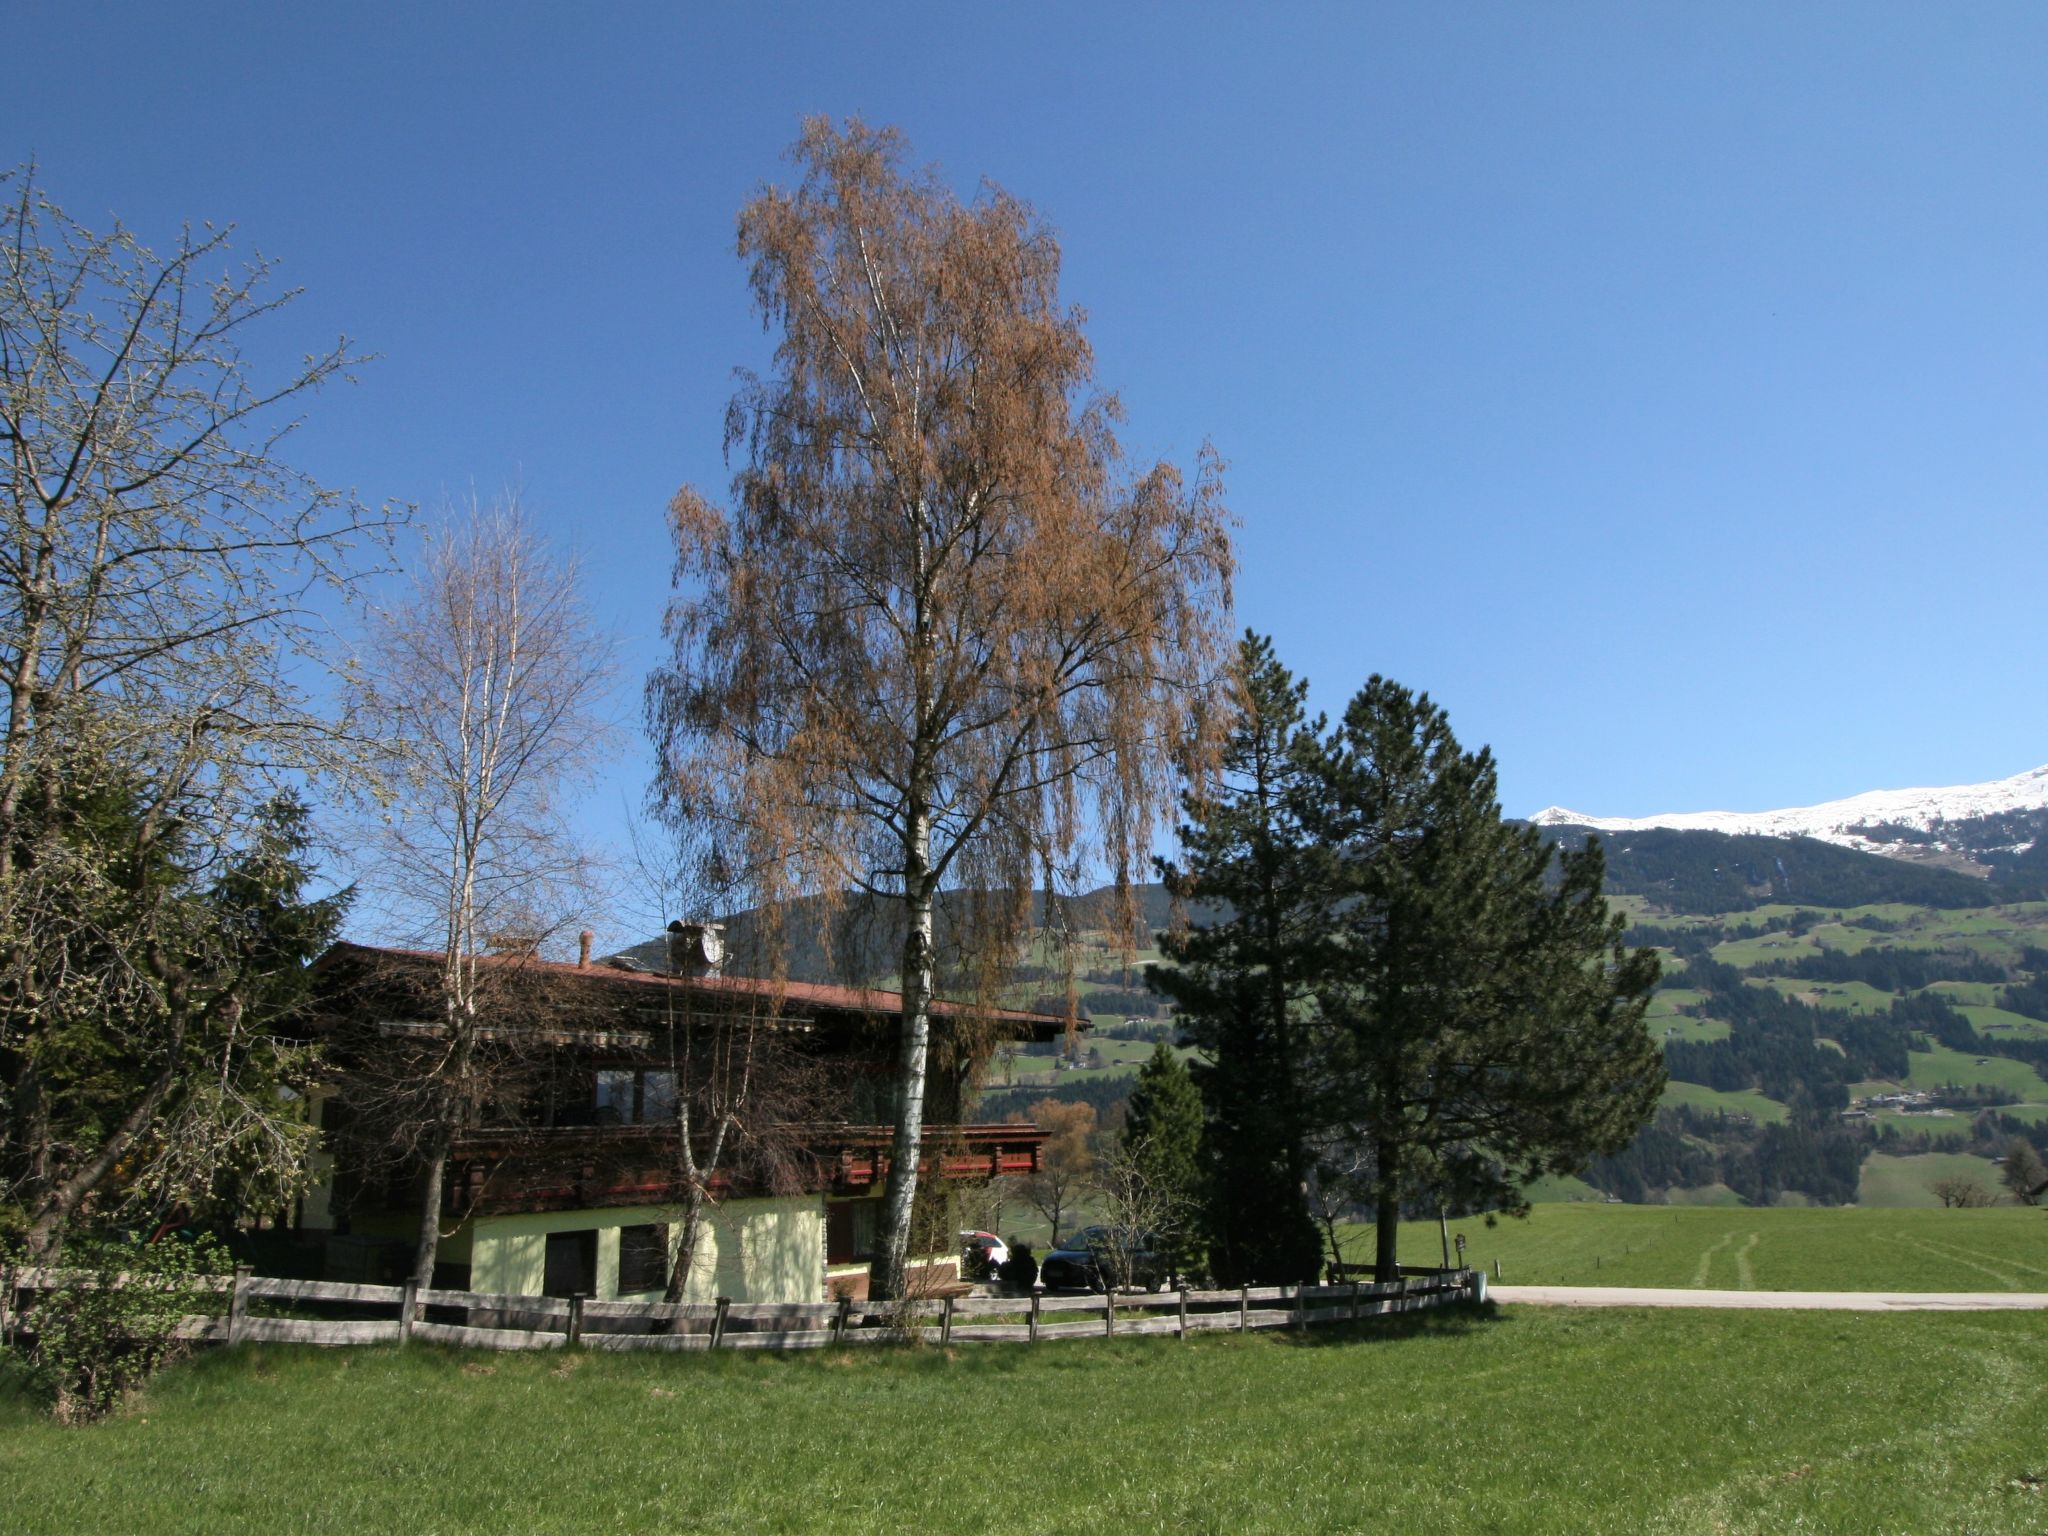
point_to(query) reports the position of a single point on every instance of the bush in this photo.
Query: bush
(95, 1342)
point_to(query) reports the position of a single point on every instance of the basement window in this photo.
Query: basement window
(643, 1259)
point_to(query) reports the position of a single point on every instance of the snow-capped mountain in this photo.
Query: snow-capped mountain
(1849, 822)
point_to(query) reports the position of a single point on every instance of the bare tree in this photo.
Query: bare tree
(156, 569)
(488, 685)
(1146, 1217)
(945, 639)
(1962, 1191)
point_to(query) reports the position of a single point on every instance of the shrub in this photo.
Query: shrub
(100, 1334)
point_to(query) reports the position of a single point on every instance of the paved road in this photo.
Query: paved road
(1823, 1301)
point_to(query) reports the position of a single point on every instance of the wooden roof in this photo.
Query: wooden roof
(796, 998)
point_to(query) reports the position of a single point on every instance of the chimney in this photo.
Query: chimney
(583, 942)
(695, 949)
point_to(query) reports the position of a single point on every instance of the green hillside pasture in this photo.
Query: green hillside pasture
(1842, 996)
(1746, 953)
(1523, 1420)
(1665, 1022)
(1670, 1000)
(1680, 1027)
(1745, 1101)
(1558, 1187)
(1704, 1194)
(1934, 1122)
(1908, 1182)
(1975, 994)
(1940, 1066)
(1999, 1021)
(1840, 1249)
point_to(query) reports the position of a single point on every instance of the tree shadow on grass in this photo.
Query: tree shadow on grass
(1453, 1322)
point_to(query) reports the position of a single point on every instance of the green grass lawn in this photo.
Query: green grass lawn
(1743, 1101)
(1523, 1421)
(1739, 1248)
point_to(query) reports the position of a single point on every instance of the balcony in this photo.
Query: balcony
(501, 1171)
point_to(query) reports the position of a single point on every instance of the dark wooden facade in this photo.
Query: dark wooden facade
(590, 1030)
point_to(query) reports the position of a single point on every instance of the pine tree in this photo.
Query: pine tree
(1484, 1020)
(1162, 1139)
(1238, 982)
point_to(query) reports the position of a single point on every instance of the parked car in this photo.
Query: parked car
(1128, 1256)
(981, 1254)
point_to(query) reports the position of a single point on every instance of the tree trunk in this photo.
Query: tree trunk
(887, 1277)
(686, 1245)
(1387, 1221)
(431, 1180)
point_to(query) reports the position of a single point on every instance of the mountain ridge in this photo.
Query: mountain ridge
(1964, 825)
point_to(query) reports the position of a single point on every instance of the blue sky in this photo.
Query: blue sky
(1658, 386)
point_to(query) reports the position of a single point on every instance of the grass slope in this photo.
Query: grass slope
(1742, 1101)
(1907, 1181)
(1523, 1421)
(1716, 1248)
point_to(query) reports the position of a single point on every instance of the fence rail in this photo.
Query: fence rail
(260, 1309)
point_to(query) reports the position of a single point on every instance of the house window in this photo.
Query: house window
(643, 1259)
(657, 1097)
(614, 1098)
(623, 1097)
(571, 1264)
(850, 1228)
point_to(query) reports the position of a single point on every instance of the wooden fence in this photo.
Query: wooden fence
(264, 1310)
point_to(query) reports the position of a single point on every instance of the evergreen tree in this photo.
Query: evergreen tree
(1238, 981)
(1162, 1139)
(1483, 1019)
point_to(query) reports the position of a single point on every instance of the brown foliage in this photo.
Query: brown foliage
(945, 636)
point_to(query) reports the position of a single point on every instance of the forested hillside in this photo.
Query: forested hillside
(1802, 981)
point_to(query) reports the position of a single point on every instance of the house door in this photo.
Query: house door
(571, 1264)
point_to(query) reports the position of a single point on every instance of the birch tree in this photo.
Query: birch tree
(159, 564)
(489, 685)
(945, 637)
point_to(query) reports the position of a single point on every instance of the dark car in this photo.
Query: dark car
(1126, 1255)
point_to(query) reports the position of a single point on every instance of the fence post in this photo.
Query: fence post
(1183, 1333)
(1244, 1307)
(238, 1303)
(718, 1319)
(1109, 1311)
(576, 1319)
(1300, 1307)
(839, 1319)
(1354, 1301)
(946, 1323)
(408, 1309)
(1034, 1318)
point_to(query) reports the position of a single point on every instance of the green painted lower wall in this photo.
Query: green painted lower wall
(750, 1250)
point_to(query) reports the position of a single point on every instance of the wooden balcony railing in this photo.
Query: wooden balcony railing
(516, 1169)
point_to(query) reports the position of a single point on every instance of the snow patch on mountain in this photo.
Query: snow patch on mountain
(1833, 821)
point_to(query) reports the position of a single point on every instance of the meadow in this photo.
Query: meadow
(1737, 1248)
(1517, 1419)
